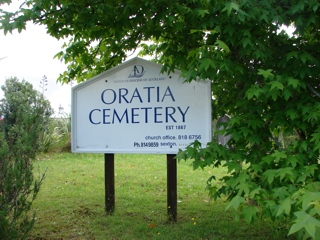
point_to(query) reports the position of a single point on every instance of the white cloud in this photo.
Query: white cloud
(29, 55)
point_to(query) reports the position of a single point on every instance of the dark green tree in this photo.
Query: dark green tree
(264, 78)
(25, 114)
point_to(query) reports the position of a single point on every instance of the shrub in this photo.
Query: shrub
(64, 128)
(25, 114)
(50, 137)
(56, 137)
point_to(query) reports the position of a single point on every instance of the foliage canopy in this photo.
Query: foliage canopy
(264, 78)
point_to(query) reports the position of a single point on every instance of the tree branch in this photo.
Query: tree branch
(313, 91)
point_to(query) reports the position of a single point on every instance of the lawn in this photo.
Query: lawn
(70, 204)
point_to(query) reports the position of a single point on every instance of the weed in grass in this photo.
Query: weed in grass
(70, 204)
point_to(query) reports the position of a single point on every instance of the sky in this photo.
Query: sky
(29, 55)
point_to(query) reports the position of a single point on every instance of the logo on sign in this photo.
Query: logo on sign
(137, 71)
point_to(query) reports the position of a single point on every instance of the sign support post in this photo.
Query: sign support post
(172, 187)
(109, 182)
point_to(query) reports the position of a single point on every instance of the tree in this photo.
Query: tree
(25, 113)
(264, 78)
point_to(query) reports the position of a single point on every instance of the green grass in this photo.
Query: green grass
(70, 204)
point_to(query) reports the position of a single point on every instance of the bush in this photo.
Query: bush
(56, 137)
(25, 114)
(51, 137)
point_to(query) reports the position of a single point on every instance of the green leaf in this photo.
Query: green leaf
(205, 64)
(304, 146)
(257, 168)
(278, 155)
(315, 206)
(235, 202)
(254, 91)
(299, 6)
(235, 121)
(308, 198)
(243, 188)
(245, 42)
(222, 45)
(274, 94)
(315, 138)
(293, 54)
(292, 160)
(285, 207)
(305, 221)
(195, 30)
(270, 175)
(280, 193)
(277, 85)
(292, 114)
(255, 192)
(246, 131)
(250, 213)
(305, 56)
(313, 186)
(267, 74)
(202, 12)
(287, 94)
(293, 82)
(193, 54)
(255, 123)
(255, 139)
(287, 173)
(230, 6)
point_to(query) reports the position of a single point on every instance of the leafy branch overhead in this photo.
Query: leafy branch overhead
(264, 78)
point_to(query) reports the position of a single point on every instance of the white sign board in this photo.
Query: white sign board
(133, 108)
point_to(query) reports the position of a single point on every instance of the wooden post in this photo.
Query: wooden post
(172, 187)
(109, 182)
